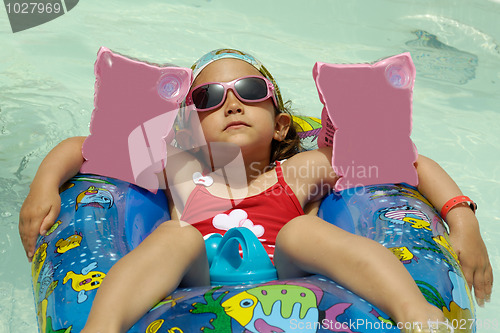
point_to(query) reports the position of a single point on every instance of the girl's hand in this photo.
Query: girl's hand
(38, 213)
(42, 205)
(472, 254)
(438, 187)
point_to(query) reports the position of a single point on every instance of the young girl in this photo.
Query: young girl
(271, 197)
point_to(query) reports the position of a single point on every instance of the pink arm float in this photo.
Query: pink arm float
(135, 107)
(369, 108)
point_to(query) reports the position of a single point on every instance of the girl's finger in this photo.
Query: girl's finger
(48, 221)
(488, 278)
(28, 238)
(469, 275)
(482, 286)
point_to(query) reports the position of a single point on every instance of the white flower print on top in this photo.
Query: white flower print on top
(236, 218)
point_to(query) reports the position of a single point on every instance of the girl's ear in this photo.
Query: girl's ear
(185, 140)
(282, 124)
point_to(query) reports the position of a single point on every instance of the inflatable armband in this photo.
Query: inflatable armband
(325, 136)
(369, 107)
(135, 107)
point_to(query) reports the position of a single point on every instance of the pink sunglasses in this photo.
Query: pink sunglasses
(250, 89)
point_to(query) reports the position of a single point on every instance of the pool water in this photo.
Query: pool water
(47, 82)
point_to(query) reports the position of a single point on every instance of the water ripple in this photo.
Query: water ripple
(454, 30)
(436, 60)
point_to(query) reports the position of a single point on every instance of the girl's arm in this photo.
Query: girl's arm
(310, 174)
(438, 187)
(42, 205)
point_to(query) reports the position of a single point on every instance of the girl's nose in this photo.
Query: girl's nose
(232, 104)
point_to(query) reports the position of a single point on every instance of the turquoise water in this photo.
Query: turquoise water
(47, 82)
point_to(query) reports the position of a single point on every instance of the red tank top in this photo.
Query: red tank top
(265, 213)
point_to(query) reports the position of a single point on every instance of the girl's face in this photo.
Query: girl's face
(251, 126)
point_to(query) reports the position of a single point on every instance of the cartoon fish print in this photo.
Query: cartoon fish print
(382, 319)
(89, 281)
(441, 240)
(167, 300)
(94, 197)
(156, 325)
(64, 245)
(38, 261)
(92, 179)
(276, 307)
(46, 284)
(66, 186)
(383, 191)
(403, 254)
(405, 214)
(53, 228)
(86, 281)
(45, 322)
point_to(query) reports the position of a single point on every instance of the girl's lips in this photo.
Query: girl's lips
(235, 125)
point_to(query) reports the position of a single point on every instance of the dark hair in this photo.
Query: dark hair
(289, 146)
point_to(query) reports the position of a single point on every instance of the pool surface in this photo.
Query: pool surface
(47, 87)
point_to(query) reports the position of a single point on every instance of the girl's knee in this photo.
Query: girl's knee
(292, 233)
(180, 233)
(174, 227)
(308, 231)
(288, 254)
(298, 226)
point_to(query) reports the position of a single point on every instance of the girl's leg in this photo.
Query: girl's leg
(309, 245)
(173, 253)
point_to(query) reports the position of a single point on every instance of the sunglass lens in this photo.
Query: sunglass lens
(251, 88)
(207, 96)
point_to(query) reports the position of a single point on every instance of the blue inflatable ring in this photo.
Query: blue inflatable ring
(102, 219)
